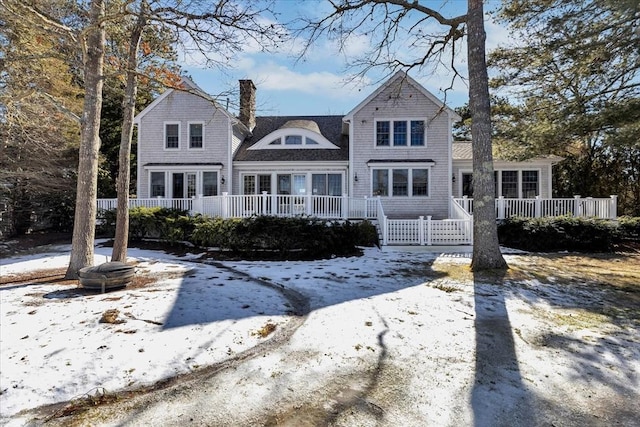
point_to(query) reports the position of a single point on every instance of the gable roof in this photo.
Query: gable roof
(189, 87)
(329, 126)
(401, 75)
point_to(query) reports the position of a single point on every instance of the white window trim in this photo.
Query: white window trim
(150, 183)
(164, 135)
(308, 173)
(410, 167)
(322, 142)
(189, 135)
(168, 170)
(398, 119)
(519, 170)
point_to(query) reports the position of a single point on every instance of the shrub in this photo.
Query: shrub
(167, 224)
(558, 233)
(256, 237)
(629, 228)
(284, 238)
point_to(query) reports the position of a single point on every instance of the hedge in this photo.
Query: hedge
(253, 237)
(566, 233)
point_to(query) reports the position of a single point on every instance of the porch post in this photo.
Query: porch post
(576, 205)
(274, 205)
(345, 207)
(429, 230)
(465, 203)
(264, 203)
(421, 230)
(613, 207)
(501, 207)
(225, 205)
(196, 207)
(385, 231)
(309, 208)
(538, 210)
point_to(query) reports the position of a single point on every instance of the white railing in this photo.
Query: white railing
(605, 208)
(421, 231)
(427, 231)
(234, 206)
(184, 204)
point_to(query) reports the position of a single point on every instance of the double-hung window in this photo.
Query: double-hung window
(209, 183)
(196, 135)
(171, 136)
(417, 133)
(530, 184)
(383, 133)
(400, 133)
(157, 184)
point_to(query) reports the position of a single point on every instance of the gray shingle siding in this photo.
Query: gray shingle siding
(183, 108)
(404, 101)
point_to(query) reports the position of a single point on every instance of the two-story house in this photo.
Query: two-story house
(394, 149)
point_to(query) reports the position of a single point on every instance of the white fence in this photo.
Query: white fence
(423, 231)
(605, 208)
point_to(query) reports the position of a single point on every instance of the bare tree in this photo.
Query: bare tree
(119, 252)
(219, 28)
(84, 226)
(486, 249)
(402, 38)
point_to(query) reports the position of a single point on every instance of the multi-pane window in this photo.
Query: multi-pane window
(249, 184)
(380, 182)
(402, 182)
(420, 182)
(191, 185)
(510, 184)
(383, 134)
(417, 133)
(172, 135)
(400, 133)
(264, 183)
(530, 184)
(195, 135)
(157, 184)
(209, 183)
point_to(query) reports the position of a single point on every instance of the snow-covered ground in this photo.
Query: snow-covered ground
(390, 337)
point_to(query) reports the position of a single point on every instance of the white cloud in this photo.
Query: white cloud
(276, 77)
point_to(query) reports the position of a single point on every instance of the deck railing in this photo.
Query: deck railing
(241, 206)
(605, 208)
(183, 204)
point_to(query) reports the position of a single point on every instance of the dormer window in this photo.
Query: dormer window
(295, 134)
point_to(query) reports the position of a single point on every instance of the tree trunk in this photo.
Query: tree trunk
(121, 238)
(85, 215)
(486, 249)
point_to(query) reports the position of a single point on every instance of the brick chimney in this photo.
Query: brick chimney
(248, 104)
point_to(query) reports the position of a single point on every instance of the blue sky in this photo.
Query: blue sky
(316, 85)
